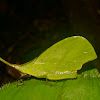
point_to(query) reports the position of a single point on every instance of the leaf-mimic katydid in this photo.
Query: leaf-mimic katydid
(60, 61)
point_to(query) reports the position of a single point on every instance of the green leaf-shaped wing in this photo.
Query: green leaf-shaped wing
(62, 60)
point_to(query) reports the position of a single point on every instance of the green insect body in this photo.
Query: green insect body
(60, 61)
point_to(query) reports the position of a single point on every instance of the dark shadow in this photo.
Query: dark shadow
(86, 67)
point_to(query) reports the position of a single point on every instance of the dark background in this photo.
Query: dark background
(28, 27)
